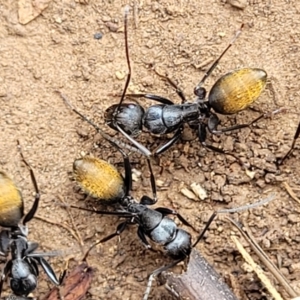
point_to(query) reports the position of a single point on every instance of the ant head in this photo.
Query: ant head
(200, 92)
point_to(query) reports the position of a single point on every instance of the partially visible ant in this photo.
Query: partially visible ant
(22, 267)
(232, 93)
(101, 180)
(296, 136)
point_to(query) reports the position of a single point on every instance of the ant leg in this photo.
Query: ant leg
(146, 200)
(31, 247)
(212, 217)
(167, 211)
(5, 271)
(35, 205)
(139, 146)
(239, 126)
(170, 143)
(142, 237)
(120, 228)
(233, 210)
(123, 214)
(178, 90)
(156, 273)
(127, 167)
(49, 271)
(4, 242)
(146, 153)
(202, 138)
(152, 180)
(159, 99)
(296, 136)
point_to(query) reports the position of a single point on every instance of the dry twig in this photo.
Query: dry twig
(264, 258)
(257, 269)
(291, 192)
(71, 231)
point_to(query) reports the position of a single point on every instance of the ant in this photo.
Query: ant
(102, 180)
(232, 93)
(22, 267)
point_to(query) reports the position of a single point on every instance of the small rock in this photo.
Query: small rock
(260, 183)
(189, 194)
(250, 174)
(159, 183)
(112, 26)
(120, 75)
(106, 19)
(98, 36)
(219, 181)
(215, 196)
(136, 175)
(270, 178)
(293, 218)
(199, 191)
(57, 19)
(241, 4)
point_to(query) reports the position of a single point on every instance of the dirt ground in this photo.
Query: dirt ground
(58, 51)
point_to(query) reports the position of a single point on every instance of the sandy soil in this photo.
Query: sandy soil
(58, 51)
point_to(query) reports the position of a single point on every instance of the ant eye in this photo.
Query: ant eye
(200, 92)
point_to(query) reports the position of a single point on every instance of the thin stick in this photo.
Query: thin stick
(231, 210)
(71, 231)
(245, 232)
(248, 206)
(291, 192)
(72, 221)
(136, 14)
(257, 269)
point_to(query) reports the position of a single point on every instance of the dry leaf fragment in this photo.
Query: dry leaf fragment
(75, 285)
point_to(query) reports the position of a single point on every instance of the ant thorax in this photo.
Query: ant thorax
(127, 201)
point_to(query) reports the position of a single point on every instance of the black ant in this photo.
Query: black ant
(231, 94)
(22, 267)
(101, 180)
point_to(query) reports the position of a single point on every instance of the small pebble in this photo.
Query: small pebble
(199, 191)
(241, 4)
(98, 36)
(113, 27)
(120, 75)
(250, 174)
(189, 194)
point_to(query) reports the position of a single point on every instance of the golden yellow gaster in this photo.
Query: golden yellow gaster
(98, 178)
(236, 90)
(11, 202)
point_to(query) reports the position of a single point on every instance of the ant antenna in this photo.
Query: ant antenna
(35, 205)
(104, 135)
(127, 8)
(216, 62)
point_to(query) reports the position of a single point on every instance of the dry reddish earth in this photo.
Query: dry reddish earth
(57, 51)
